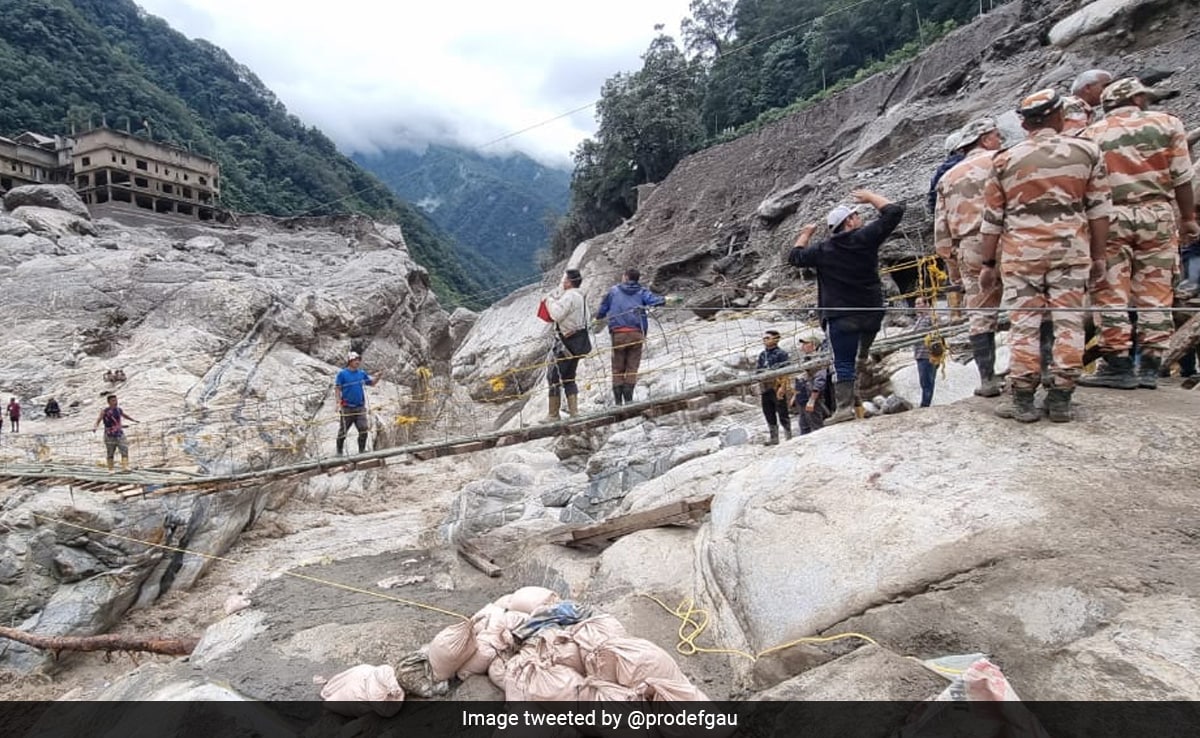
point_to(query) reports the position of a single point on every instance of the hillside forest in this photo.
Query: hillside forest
(736, 65)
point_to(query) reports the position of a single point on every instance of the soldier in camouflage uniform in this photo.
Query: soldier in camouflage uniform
(1046, 213)
(956, 223)
(1080, 107)
(1146, 156)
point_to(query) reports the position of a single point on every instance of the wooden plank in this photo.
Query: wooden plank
(478, 559)
(605, 532)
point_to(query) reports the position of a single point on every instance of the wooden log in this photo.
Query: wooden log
(107, 642)
(1185, 339)
(478, 559)
(603, 533)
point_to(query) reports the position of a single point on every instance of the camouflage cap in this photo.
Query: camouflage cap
(1122, 91)
(1040, 104)
(976, 129)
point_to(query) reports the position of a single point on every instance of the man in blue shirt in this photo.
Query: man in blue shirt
(352, 401)
(625, 309)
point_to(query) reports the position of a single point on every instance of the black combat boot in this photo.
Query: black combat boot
(1148, 368)
(787, 431)
(1058, 404)
(1021, 409)
(619, 393)
(1115, 372)
(362, 443)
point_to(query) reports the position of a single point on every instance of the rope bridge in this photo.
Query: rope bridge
(254, 441)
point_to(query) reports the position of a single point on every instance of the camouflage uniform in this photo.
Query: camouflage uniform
(1039, 198)
(1077, 115)
(956, 234)
(1146, 155)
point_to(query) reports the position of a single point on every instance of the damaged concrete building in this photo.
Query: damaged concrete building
(115, 169)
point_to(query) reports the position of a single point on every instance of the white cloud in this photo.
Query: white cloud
(383, 74)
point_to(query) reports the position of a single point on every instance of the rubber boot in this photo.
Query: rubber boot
(1115, 372)
(774, 439)
(552, 415)
(1148, 369)
(983, 346)
(111, 470)
(362, 443)
(845, 403)
(1058, 405)
(787, 431)
(955, 300)
(124, 463)
(572, 405)
(619, 393)
(628, 390)
(340, 445)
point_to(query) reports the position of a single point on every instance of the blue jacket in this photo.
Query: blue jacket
(625, 306)
(351, 382)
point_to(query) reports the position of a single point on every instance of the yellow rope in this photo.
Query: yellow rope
(693, 621)
(227, 560)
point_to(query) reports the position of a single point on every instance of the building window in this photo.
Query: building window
(123, 160)
(87, 161)
(185, 178)
(142, 165)
(203, 181)
(168, 189)
(82, 181)
(114, 158)
(141, 182)
(187, 192)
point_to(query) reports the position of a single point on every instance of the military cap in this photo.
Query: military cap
(1122, 91)
(1040, 104)
(975, 130)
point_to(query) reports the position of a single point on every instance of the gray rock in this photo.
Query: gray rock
(56, 197)
(72, 564)
(12, 227)
(54, 223)
(735, 436)
(481, 506)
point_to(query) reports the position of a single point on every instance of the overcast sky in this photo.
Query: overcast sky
(378, 74)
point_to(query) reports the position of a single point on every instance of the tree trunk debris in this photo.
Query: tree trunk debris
(107, 642)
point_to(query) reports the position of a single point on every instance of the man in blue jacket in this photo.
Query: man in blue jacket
(350, 386)
(625, 308)
(849, 291)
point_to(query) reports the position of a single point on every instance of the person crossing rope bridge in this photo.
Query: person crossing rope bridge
(352, 400)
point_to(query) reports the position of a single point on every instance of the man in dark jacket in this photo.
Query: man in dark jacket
(849, 291)
(625, 309)
(774, 394)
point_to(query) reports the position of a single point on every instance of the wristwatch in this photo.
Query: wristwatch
(989, 263)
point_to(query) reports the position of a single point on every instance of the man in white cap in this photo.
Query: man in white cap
(849, 291)
(352, 401)
(1080, 107)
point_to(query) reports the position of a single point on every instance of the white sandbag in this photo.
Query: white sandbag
(497, 637)
(599, 690)
(528, 599)
(530, 679)
(497, 669)
(479, 662)
(560, 648)
(591, 633)
(655, 689)
(362, 689)
(631, 661)
(504, 603)
(451, 648)
(487, 615)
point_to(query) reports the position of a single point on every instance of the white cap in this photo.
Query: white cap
(353, 355)
(837, 215)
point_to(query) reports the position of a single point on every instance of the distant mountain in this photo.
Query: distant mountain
(501, 207)
(70, 63)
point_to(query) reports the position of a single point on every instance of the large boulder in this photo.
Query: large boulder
(56, 197)
(956, 532)
(1095, 17)
(54, 223)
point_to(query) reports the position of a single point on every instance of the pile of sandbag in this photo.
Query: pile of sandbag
(535, 647)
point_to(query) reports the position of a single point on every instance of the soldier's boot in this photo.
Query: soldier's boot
(844, 391)
(1115, 372)
(572, 405)
(774, 437)
(1046, 351)
(983, 346)
(1020, 407)
(619, 394)
(1058, 405)
(1148, 369)
(787, 431)
(362, 442)
(555, 407)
